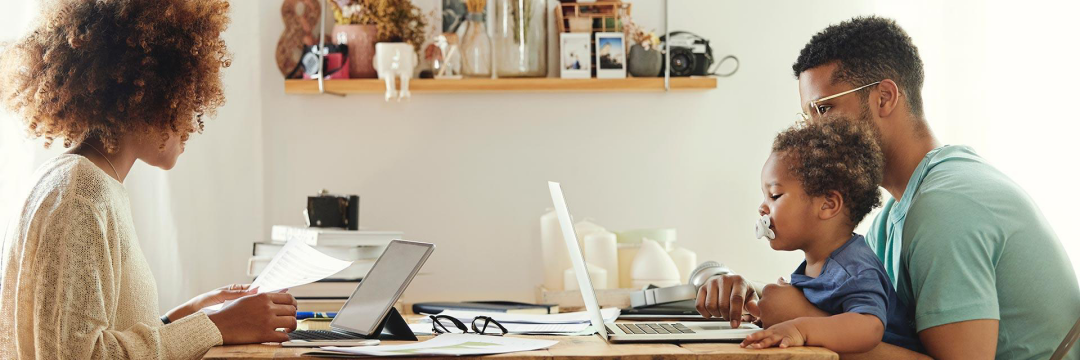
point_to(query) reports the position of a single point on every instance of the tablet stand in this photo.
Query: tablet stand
(393, 327)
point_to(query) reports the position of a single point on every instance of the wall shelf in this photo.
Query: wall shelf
(376, 86)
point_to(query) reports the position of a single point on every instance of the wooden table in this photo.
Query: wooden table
(570, 347)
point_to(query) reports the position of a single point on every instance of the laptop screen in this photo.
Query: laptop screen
(580, 271)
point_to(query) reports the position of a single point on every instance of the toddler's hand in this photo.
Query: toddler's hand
(784, 335)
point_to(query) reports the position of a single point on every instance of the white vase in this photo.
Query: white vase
(597, 276)
(685, 260)
(664, 236)
(601, 250)
(626, 254)
(586, 227)
(653, 266)
(552, 251)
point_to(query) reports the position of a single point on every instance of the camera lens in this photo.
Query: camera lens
(682, 61)
(310, 63)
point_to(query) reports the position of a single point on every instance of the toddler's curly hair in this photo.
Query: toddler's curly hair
(108, 67)
(835, 154)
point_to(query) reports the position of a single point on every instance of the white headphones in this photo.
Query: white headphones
(689, 291)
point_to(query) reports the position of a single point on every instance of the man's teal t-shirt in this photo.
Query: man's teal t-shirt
(966, 243)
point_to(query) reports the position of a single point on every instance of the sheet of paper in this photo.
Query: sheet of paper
(580, 317)
(420, 328)
(450, 345)
(295, 264)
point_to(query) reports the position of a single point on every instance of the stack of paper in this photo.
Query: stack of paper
(576, 323)
(444, 345)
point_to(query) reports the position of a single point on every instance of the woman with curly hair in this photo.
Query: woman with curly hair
(117, 81)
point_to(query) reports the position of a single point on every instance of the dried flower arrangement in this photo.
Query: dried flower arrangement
(476, 6)
(395, 20)
(647, 40)
(348, 12)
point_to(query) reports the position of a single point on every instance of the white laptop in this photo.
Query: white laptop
(637, 331)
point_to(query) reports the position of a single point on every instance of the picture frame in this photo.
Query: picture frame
(575, 56)
(453, 15)
(610, 55)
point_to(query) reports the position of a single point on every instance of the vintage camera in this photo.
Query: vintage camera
(333, 211)
(335, 62)
(691, 54)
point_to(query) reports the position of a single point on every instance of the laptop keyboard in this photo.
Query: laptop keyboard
(653, 328)
(322, 335)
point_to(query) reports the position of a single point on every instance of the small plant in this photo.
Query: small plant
(647, 40)
(395, 20)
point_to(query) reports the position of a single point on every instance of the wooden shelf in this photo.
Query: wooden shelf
(376, 86)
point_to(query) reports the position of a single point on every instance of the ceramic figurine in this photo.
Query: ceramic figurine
(393, 60)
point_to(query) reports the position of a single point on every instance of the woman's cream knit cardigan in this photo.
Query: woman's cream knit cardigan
(75, 282)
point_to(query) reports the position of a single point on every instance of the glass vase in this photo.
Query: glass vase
(520, 38)
(475, 48)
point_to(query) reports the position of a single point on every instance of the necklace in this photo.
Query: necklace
(107, 160)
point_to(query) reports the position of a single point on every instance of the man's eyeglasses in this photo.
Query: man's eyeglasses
(820, 109)
(483, 325)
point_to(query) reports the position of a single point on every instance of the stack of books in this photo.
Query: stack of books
(361, 247)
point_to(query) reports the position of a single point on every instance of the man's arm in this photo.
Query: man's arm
(886, 351)
(972, 339)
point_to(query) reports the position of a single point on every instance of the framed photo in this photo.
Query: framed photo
(574, 56)
(610, 55)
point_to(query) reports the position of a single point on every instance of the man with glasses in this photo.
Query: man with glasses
(968, 251)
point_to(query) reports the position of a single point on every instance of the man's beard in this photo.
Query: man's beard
(866, 121)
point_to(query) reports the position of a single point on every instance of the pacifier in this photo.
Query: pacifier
(761, 228)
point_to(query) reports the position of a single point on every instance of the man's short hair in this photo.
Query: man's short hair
(867, 49)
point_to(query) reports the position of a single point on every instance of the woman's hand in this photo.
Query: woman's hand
(785, 334)
(255, 318)
(214, 297)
